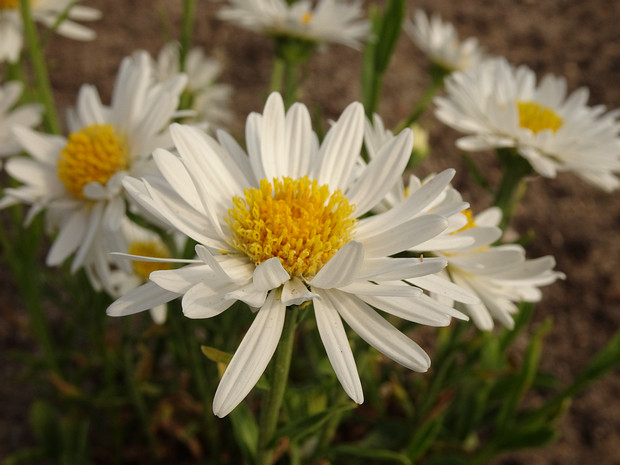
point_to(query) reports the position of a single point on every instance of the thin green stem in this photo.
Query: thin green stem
(277, 75)
(134, 392)
(512, 186)
(40, 70)
(271, 410)
(189, 9)
(191, 350)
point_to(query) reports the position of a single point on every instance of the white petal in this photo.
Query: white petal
(404, 236)
(251, 358)
(337, 346)
(390, 269)
(182, 279)
(202, 301)
(341, 268)
(273, 154)
(249, 294)
(341, 148)
(408, 309)
(270, 274)
(394, 288)
(379, 333)
(69, 238)
(299, 143)
(381, 173)
(295, 292)
(446, 288)
(142, 298)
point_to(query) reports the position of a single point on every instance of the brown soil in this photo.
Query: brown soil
(576, 223)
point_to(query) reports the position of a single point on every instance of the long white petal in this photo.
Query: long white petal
(380, 334)
(141, 298)
(337, 346)
(341, 268)
(251, 358)
(202, 301)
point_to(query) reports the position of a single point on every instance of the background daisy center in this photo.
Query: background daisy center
(93, 154)
(9, 4)
(149, 249)
(536, 117)
(296, 220)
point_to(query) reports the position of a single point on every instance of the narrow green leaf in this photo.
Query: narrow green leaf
(245, 429)
(381, 455)
(297, 430)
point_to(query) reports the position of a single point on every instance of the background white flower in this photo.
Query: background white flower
(282, 226)
(322, 21)
(12, 115)
(77, 180)
(500, 106)
(440, 42)
(499, 274)
(46, 12)
(210, 99)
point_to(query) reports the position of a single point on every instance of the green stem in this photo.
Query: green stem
(40, 70)
(134, 392)
(198, 373)
(277, 75)
(271, 411)
(512, 186)
(189, 8)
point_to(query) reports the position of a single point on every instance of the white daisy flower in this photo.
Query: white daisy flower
(322, 21)
(126, 276)
(46, 12)
(77, 179)
(282, 226)
(500, 106)
(10, 115)
(210, 99)
(440, 42)
(499, 275)
(488, 279)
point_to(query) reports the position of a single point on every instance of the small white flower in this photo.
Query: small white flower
(284, 225)
(46, 12)
(500, 106)
(499, 275)
(440, 42)
(210, 99)
(11, 115)
(324, 21)
(77, 179)
(489, 278)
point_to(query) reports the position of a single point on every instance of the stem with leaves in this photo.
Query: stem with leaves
(271, 411)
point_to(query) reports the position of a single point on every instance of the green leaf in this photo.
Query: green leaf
(389, 31)
(448, 459)
(44, 422)
(245, 429)
(381, 455)
(297, 430)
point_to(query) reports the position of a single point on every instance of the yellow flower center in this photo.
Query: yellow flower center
(306, 18)
(471, 222)
(94, 154)
(296, 220)
(9, 4)
(536, 117)
(153, 249)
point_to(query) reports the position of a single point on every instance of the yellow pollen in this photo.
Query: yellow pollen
(9, 4)
(296, 220)
(306, 18)
(471, 222)
(153, 249)
(93, 154)
(536, 117)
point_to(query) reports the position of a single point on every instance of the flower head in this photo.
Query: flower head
(440, 42)
(500, 106)
(77, 179)
(483, 279)
(46, 12)
(326, 21)
(208, 98)
(284, 225)
(500, 275)
(11, 115)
